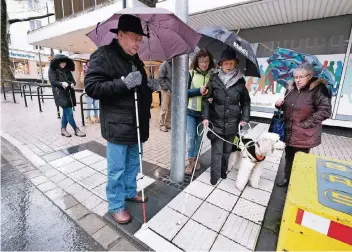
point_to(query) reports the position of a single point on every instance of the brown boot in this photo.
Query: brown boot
(65, 133)
(96, 119)
(89, 120)
(190, 166)
(139, 198)
(121, 217)
(163, 129)
(198, 164)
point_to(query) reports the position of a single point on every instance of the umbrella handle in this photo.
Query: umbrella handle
(96, 29)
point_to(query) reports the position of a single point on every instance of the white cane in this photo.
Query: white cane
(203, 134)
(134, 68)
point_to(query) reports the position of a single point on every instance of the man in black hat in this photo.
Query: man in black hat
(115, 70)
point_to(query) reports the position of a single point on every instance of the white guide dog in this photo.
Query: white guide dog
(247, 159)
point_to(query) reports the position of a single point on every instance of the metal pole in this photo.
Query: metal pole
(13, 92)
(47, 12)
(82, 113)
(41, 70)
(38, 94)
(24, 95)
(3, 89)
(124, 4)
(30, 91)
(179, 105)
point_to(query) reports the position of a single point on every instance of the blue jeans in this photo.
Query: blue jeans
(123, 167)
(193, 138)
(67, 117)
(90, 102)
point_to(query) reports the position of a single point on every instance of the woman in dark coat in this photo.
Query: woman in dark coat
(63, 83)
(229, 106)
(306, 105)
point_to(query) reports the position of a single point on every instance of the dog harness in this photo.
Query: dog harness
(248, 146)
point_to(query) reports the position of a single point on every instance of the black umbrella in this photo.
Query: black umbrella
(216, 40)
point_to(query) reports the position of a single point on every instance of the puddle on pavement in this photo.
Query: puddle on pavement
(30, 221)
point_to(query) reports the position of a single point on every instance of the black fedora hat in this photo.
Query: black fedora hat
(129, 23)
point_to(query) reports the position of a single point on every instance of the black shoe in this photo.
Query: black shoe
(224, 175)
(213, 181)
(283, 183)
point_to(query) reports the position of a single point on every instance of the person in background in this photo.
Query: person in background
(115, 72)
(62, 83)
(306, 105)
(230, 107)
(165, 80)
(91, 102)
(202, 67)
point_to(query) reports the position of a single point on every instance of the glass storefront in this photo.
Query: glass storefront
(20, 66)
(44, 66)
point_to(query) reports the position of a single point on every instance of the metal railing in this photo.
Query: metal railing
(39, 93)
(84, 109)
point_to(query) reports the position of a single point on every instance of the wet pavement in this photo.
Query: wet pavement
(30, 221)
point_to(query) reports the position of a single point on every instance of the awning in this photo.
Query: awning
(261, 13)
(70, 34)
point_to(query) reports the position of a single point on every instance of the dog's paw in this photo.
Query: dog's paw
(240, 186)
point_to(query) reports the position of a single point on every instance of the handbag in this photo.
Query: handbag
(277, 124)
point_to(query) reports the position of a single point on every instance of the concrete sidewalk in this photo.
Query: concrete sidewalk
(75, 168)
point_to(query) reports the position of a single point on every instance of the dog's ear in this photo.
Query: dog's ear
(279, 145)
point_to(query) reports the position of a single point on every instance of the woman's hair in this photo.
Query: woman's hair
(308, 68)
(200, 54)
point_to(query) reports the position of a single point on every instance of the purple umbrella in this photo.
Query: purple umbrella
(168, 35)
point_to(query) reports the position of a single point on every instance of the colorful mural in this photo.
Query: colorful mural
(265, 91)
(345, 103)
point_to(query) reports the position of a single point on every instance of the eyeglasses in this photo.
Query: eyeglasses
(134, 39)
(201, 62)
(300, 77)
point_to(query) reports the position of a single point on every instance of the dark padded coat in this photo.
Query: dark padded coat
(63, 97)
(117, 106)
(229, 106)
(304, 111)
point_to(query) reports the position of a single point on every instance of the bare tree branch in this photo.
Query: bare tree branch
(12, 21)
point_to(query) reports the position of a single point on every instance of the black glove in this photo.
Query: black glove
(133, 80)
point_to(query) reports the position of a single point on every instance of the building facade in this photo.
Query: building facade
(26, 59)
(318, 27)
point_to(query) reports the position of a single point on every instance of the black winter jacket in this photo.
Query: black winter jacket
(117, 106)
(228, 107)
(63, 97)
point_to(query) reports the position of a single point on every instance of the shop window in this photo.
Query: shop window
(19, 66)
(43, 68)
(58, 9)
(77, 6)
(68, 11)
(35, 24)
(38, 47)
(89, 4)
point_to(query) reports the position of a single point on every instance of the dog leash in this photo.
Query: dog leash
(203, 133)
(239, 145)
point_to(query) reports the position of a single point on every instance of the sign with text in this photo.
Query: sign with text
(335, 185)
